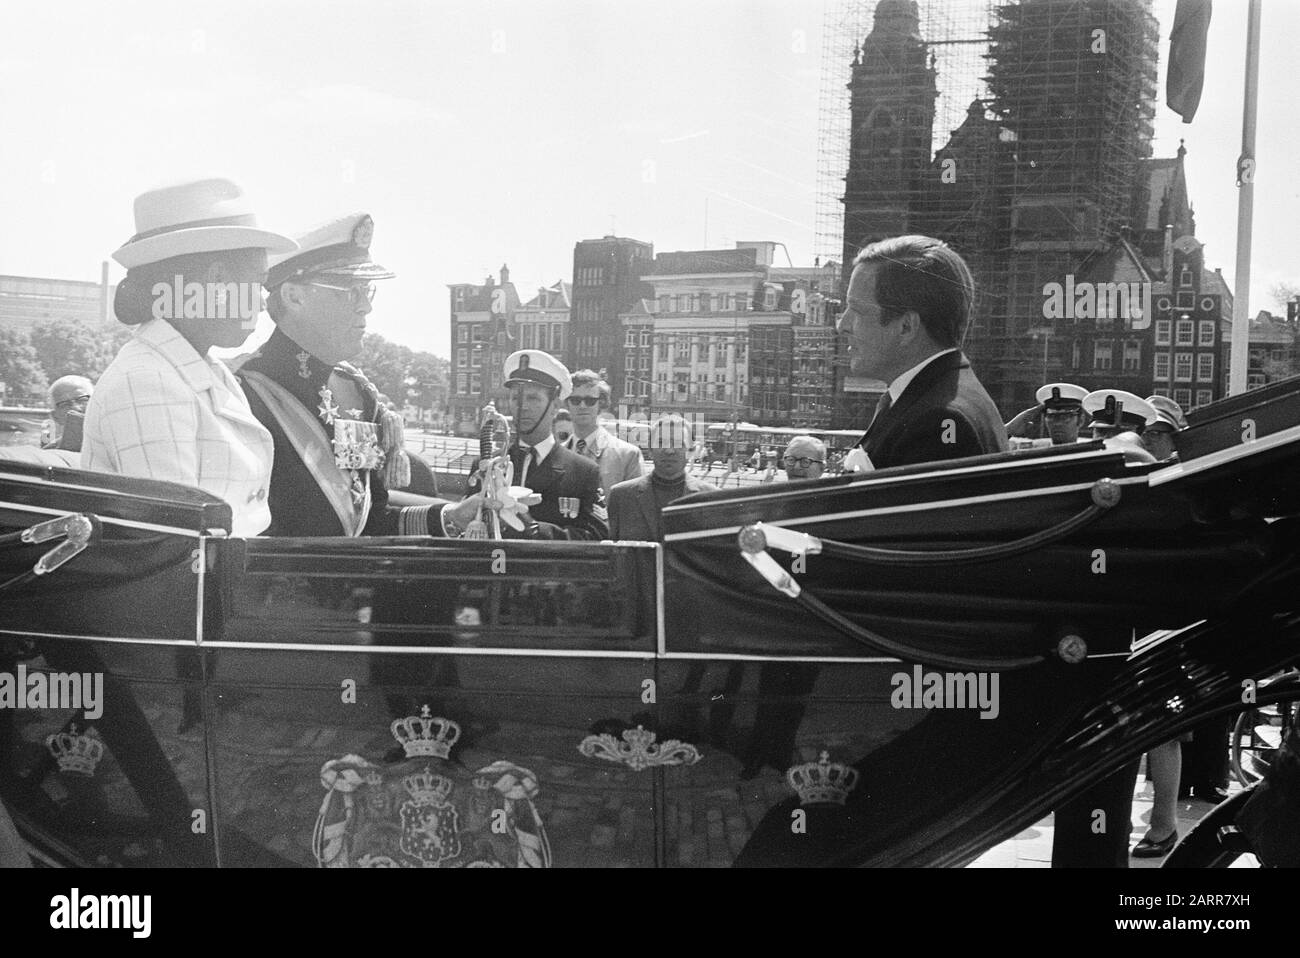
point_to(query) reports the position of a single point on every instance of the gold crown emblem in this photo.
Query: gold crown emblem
(75, 752)
(426, 734)
(822, 782)
(426, 788)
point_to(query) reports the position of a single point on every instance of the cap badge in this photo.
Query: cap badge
(524, 362)
(363, 232)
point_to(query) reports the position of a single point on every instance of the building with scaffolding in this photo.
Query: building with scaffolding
(1045, 178)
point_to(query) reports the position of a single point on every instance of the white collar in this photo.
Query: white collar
(543, 448)
(897, 387)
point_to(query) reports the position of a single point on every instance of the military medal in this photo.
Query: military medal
(569, 507)
(328, 410)
(303, 370)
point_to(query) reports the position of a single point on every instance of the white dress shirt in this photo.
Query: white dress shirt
(904, 380)
(162, 411)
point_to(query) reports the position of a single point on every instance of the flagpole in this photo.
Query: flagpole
(1246, 171)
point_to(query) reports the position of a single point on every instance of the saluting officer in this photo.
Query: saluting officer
(1115, 411)
(572, 506)
(338, 448)
(1058, 415)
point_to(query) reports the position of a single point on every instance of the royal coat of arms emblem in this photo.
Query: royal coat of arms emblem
(425, 812)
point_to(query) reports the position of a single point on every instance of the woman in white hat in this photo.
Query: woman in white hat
(165, 409)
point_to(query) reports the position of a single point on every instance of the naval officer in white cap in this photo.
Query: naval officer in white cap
(572, 506)
(338, 448)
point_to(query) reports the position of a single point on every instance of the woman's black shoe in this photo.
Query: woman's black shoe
(1149, 849)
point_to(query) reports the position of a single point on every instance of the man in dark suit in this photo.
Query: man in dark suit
(909, 303)
(572, 505)
(635, 504)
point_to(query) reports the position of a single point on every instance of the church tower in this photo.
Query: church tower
(892, 102)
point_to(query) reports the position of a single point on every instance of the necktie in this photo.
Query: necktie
(582, 447)
(522, 457)
(882, 407)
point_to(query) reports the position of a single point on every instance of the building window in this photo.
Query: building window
(1132, 356)
(591, 275)
(682, 351)
(1185, 330)
(1076, 354)
(629, 337)
(1160, 390)
(1182, 367)
(475, 383)
(769, 298)
(720, 355)
(462, 356)
(629, 364)
(476, 359)
(666, 304)
(557, 337)
(1204, 397)
(661, 351)
(1205, 367)
(462, 333)
(1162, 332)
(1207, 332)
(1162, 368)
(1254, 380)
(462, 382)
(645, 336)
(526, 336)
(1101, 354)
(1183, 397)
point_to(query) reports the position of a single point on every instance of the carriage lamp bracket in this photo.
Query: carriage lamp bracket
(754, 541)
(78, 532)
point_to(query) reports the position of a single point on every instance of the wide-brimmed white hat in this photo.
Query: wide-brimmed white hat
(197, 216)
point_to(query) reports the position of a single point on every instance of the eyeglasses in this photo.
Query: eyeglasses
(356, 293)
(803, 462)
(583, 400)
(69, 403)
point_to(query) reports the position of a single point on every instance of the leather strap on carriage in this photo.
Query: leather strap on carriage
(909, 652)
(1105, 495)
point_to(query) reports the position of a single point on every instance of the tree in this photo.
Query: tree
(20, 370)
(385, 364)
(1284, 293)
(66, 347)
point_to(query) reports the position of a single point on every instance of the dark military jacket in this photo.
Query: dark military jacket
(298, 506)
(572, 505)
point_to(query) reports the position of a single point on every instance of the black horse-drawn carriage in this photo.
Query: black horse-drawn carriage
(902, 668)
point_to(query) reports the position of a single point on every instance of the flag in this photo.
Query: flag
(1186, 73)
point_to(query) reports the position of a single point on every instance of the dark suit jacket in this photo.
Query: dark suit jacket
(633, 515)
(944, 413)
(566, 474)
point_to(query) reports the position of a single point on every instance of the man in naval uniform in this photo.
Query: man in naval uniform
(338, 449)
(1058, 415)
(572, 506)
(1114, 412)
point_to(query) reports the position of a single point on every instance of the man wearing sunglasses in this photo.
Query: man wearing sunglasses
(338, 448)
(618, 460)
(69, 397)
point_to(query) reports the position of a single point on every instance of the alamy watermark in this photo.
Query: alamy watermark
(1087, 300)
(60, 691)
(919, 689)
(181, 300)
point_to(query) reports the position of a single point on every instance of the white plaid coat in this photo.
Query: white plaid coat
(162, 411)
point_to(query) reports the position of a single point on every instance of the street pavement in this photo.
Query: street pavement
(1032, 848)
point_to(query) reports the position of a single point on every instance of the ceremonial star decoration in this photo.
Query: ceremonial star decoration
(353, 413)
(328, 410)
(303, 370)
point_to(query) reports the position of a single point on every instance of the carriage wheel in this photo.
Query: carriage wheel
(1256, 737)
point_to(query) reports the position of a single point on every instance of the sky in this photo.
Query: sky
(479, 133)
